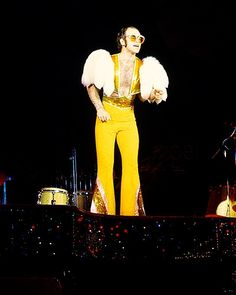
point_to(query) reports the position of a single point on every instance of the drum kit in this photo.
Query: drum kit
(227, 205)
(59, 196)
(79, 195)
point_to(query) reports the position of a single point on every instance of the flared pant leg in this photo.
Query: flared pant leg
(131, 202)
(103, 200)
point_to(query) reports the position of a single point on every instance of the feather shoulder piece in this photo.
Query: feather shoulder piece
(99, 70)
(152, 75)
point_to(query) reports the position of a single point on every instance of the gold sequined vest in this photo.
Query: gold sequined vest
(135, 84)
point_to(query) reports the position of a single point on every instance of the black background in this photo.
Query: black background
(46, 113)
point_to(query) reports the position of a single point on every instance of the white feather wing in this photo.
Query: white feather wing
(99, 70)
(152, 75)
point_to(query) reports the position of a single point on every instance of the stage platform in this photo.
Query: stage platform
(69, 248)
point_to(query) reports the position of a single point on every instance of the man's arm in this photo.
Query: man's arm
(94, 96)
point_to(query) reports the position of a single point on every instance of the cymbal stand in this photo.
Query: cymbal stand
(227, 191)
(74, 172)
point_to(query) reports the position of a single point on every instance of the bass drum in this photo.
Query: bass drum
(53, 196)
(82, 200)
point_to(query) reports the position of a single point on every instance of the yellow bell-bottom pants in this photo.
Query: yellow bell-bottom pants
(123, 129)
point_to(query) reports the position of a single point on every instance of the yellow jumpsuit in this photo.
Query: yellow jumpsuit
(122, 128)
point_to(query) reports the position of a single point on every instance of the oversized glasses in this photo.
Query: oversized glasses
(139, 39)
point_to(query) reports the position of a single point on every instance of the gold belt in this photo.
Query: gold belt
(122, 102)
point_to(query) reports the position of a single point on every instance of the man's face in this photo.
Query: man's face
(133, 40)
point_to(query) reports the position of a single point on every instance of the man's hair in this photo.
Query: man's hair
(121, 35)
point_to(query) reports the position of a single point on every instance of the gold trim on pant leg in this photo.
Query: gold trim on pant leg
(99, 202)
(140, 211)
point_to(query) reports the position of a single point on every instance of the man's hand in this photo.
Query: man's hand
(103, 115)
(155, 95)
